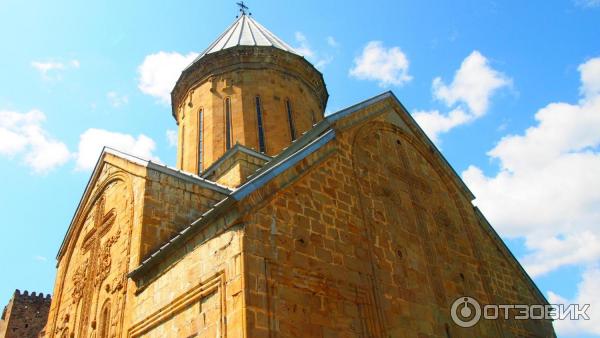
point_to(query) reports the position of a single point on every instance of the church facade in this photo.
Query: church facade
(280, 221)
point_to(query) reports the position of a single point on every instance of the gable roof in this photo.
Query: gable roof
(191, 178)
(311, 141)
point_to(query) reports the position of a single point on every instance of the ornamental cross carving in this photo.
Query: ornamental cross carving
(91, 242)
(99, 261)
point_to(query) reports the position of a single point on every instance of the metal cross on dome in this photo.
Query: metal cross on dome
(243, 7)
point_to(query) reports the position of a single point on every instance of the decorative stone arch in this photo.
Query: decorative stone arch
(449, 184)
(376, 186)
(427, 152)
(89, 201)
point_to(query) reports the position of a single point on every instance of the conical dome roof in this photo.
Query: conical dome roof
(246, 45)
(245, 31)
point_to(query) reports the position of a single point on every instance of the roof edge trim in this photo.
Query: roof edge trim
(144, 163)
(282, 165)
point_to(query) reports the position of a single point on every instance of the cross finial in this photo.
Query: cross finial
(243, 7)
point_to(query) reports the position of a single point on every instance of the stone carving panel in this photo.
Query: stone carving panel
(96, 262)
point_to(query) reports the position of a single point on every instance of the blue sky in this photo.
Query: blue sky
(509, 90)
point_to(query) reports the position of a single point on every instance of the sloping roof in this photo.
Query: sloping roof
(188, 177)
(302, 147)
(245, 31)
(311, 141)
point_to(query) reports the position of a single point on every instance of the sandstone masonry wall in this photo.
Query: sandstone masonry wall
(171, 204)
(275, 78)
(376, 239)
(196, 292)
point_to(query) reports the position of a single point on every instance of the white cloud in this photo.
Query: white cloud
(550, 253)
(588, 3)
(45, 67)
(22, 134)
(93, 140)
(159, 72)
(51, 70)
(172, 137)
(588, 292)
(332, 42)
(40, 258)
(474, 83)
(321, 63)
(548, 186)
(469, 95)
(387, 66)
(434, 123)
(590, 77)
(305, 50)
(117, 100)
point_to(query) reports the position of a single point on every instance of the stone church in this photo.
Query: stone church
(280, 221)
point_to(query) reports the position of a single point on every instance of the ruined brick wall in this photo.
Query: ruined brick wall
(376, 240)
(25, 315)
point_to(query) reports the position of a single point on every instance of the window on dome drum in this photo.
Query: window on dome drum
(182, 142)
(200, 141)
(288, 107)
(313, 117)
(227, 123)
(259, 121)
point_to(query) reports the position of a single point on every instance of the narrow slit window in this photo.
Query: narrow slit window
(182, 143)
(259, 121)
(200, 140)
(227, 123)
(288, 107)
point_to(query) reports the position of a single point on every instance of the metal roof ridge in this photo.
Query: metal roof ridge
(170, 170)
(244, 24)
(255, 183)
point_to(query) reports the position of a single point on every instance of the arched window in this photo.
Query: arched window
(227, 123)
(104, 327)
(288, 107)
(200, 140)
(259, 121)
